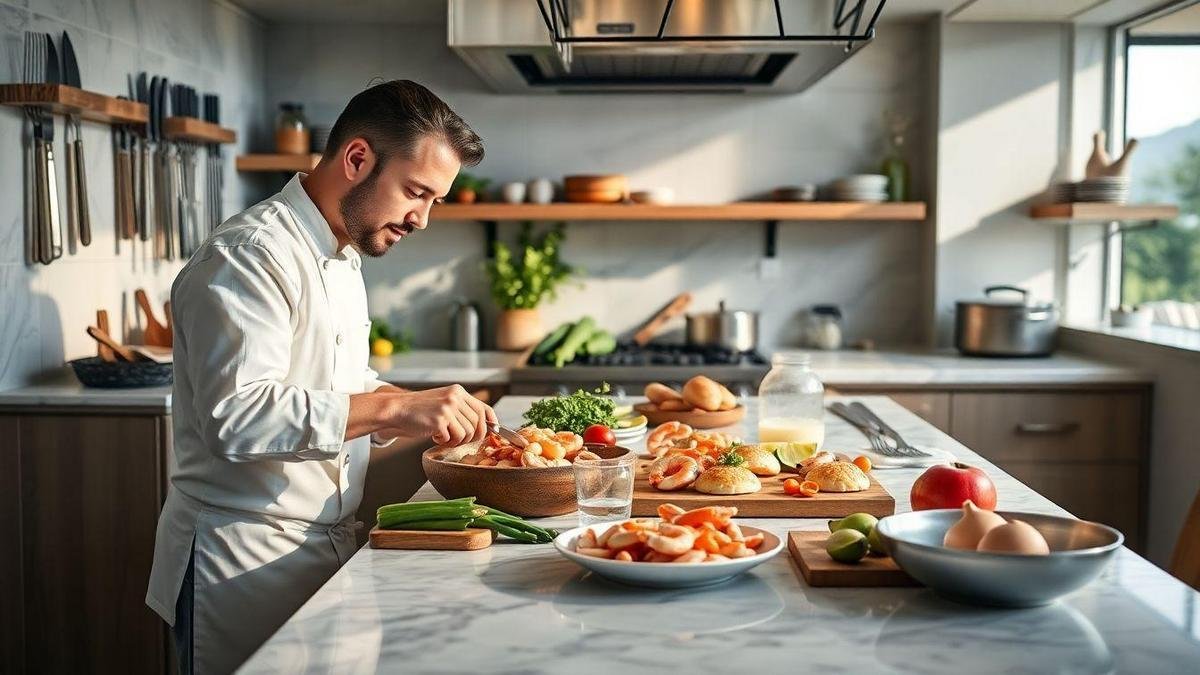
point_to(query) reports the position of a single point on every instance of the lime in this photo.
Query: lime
(863, 522)
(790, 454)
(846, 546)
(876, 542)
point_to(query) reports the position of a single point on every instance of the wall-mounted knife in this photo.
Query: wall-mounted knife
(72, 78)
(56, 234)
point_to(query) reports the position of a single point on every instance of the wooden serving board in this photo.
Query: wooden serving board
(769, 502)
(470, 539)
(818, 569)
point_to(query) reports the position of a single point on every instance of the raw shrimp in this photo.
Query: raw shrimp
(717, 515)
(671, 539)
(663, 437)
(569, 440)
(532, 459)
(692, 556)
(673, 472)
(669, 511)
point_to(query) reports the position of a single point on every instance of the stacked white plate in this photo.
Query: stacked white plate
(1062, 193)
(1110, 189)
(866, 187)
(630, 434)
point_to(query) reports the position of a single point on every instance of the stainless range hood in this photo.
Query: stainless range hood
(585, 46)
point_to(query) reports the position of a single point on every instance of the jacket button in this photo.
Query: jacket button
(339, 339)
(325, 264)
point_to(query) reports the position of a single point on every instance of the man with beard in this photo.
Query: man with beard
(274, 407)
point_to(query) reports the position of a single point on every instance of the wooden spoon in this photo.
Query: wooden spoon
(156, 334)
(102, 350)
(105, 339)
(673, 309)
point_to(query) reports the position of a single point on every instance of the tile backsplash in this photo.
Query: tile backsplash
(211, 45)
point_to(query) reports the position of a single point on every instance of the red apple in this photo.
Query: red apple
(947, 486)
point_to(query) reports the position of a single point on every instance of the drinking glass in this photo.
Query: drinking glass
(604, 488)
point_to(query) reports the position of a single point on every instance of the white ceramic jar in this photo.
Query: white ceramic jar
(513, 193)
(541, 191)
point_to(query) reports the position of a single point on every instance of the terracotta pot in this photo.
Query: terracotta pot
(518, 329)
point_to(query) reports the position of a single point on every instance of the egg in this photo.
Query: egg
(970, 528)
(1014, 537)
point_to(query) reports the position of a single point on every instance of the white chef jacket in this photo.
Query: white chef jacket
(271, 332)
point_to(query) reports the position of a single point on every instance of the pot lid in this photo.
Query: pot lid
(1007, 296)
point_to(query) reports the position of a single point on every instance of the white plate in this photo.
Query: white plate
(667, 575)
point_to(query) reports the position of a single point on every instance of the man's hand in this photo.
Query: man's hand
(448, 415)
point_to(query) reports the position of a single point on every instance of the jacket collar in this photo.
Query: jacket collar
(313, 223)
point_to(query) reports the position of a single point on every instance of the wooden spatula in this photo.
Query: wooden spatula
(156, 334)
(102, 350)
(105, 339)
(673, 309)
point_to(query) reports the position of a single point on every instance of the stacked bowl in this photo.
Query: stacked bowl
(865, 187)
(1110, 189)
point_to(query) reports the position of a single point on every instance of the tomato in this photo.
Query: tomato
(598, 433)
(791, 486)
(863, 462)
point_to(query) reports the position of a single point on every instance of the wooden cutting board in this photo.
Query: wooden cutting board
(818, 569)
(769, 502)
(470, 539)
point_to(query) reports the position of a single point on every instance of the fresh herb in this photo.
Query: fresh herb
(731, 458)
(522, 282)
(573, 413)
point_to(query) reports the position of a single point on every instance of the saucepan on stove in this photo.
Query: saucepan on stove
(1008, 325)
(732, 329)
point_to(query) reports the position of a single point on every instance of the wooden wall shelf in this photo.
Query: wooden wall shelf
(283, 163)
(66, 100)
(195, 129)
(1100, 212)
(759, 211)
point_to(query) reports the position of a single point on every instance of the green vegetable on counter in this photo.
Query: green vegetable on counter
(457, 515)
(551, 341)
(600, 343)
(575, 412)
(576, 337)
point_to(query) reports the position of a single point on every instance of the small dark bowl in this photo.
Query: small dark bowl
(96, 372)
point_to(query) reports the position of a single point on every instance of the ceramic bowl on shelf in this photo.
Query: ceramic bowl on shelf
(1079, 552)
(667, 575)
(660, 195)
(521, 491)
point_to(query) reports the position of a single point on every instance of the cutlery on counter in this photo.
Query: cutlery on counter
(901, 445)
(873, 428)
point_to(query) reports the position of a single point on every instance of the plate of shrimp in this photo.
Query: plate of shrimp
(678, 549)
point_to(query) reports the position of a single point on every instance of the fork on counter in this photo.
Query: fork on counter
(871, 427)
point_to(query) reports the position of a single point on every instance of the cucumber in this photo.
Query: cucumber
(600, 343)
(551, 340)
(571, 344)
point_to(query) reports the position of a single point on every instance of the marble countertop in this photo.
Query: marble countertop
(520, 608)
(841, 368)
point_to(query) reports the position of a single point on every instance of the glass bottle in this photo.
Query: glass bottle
(292, 133)
(894, 165)
(823, 329)
(791, 402)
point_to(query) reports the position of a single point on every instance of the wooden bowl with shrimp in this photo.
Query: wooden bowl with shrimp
(529, 492)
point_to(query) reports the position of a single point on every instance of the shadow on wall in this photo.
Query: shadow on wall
(31, 328)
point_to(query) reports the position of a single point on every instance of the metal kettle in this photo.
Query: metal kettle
(464, 326)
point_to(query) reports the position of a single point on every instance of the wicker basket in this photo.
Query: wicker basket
(96, 372)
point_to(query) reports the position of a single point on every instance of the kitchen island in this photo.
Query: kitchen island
(522, 608)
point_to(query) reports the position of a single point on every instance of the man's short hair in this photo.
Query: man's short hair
(394, 116)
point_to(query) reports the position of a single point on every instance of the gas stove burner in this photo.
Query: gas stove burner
(629, 354)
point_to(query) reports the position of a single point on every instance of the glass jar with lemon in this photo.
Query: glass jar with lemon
(792, 404)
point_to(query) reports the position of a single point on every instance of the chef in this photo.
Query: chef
(274, 407)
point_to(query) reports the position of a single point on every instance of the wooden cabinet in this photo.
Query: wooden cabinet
(1085, 449)
(12, 605)
(90, 490)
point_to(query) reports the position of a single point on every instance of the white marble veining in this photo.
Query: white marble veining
(439, 366)
(518, 608)
(72, 393)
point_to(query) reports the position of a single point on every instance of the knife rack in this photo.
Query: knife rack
(65, 100)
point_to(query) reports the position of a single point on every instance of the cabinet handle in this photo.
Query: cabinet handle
(1047, 428)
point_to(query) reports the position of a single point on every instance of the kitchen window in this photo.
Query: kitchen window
(1160, 266)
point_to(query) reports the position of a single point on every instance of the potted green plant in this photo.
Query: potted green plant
(468, 189)
(519, 283)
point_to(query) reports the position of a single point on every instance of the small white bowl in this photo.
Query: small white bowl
(661, 196)
(667, 575)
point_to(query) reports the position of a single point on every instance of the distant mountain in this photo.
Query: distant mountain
(1156, 154)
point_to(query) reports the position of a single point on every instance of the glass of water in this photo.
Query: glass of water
(604, 488)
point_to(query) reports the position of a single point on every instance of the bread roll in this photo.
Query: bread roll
(760, 461)
(658, 392)
(675, 405)
(839, 477)
(727, 480)
(728, 400)
(703, 393)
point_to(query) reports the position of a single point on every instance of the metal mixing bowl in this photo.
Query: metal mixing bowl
(1079, 551)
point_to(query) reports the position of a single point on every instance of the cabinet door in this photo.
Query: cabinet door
(1104, 493)
(1057, 427)
(12, 607)
(90, 494)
